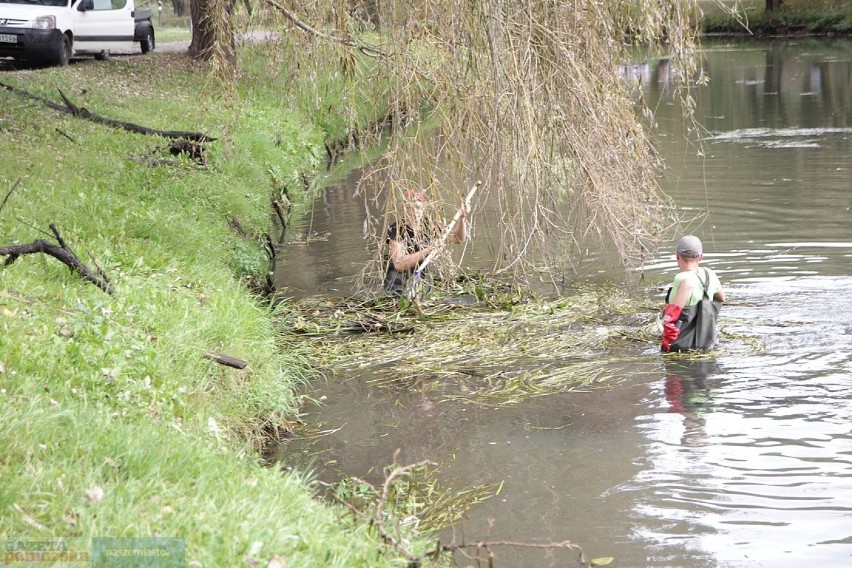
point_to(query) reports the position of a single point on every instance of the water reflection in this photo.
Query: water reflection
(688, 393)
(769, 483)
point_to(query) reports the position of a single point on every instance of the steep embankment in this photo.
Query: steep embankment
(112, 420)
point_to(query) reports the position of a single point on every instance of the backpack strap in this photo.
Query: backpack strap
(705, 284)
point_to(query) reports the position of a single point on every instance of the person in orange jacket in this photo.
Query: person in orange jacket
(687, 288)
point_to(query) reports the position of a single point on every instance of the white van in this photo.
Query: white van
(55, 30)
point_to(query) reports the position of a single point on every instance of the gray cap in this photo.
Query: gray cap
(690, 247)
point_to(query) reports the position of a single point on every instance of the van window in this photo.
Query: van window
(109, 4)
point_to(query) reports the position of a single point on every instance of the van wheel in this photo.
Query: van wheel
(147, 43)
(102, 56)
(63, 56)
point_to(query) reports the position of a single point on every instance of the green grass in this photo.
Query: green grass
(113, 390)
(157, 481)
(170, 34)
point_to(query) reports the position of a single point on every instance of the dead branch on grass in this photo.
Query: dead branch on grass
(61, 252)
(81, 112)
(225, 360)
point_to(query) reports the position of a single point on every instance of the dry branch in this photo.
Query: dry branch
(226, 360)
(396, 542)
(71, 108)
(194, 150)
(379, 520)
(346, 42)
(11, 189)
(60, 252)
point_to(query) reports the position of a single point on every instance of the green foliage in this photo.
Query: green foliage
(794, 17)
(154, 480)
(826, 23)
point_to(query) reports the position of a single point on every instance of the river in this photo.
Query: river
(740, 459)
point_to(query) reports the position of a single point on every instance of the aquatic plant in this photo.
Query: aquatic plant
(499, 351)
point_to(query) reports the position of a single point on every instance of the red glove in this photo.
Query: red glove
(671, 312)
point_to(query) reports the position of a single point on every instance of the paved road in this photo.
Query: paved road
(163, 47)
(170, 47)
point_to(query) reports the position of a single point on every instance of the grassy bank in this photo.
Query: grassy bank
(112, 421)
(795, 17)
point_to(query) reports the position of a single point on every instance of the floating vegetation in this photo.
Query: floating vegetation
(416, 497)
(491, 350)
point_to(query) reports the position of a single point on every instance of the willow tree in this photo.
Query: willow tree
(527, 96)
(213, 33)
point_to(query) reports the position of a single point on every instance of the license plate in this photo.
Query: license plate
(8, 38)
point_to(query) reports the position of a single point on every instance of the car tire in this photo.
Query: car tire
(147, 43)
(63, 55)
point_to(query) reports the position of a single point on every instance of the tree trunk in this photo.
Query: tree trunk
(773, 6)
(372, 9)
(213, 32)
(180, 7)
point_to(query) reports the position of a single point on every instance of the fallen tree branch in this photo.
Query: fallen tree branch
(377, 521)
(60, 252)
(85, 113)
(71, 108)
(382, 516)
(226, 360)
(63, 133)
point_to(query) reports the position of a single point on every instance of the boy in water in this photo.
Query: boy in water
(688, 288)
(409, 242)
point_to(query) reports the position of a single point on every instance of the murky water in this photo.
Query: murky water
(743, 459)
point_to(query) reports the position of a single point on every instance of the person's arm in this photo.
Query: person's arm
(402, 261)
(459, 234)
(719, 294)
(671, 314)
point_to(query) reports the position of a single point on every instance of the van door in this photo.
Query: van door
(108, 26)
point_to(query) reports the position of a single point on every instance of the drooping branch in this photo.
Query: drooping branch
(346, 42)
(530, 97)
(80, 112)
(61, 252)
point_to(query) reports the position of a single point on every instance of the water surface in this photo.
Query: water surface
(740, 459)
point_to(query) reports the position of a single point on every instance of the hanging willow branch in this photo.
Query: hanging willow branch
(526, 95)
(343, 41)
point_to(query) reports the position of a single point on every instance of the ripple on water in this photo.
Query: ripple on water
(765, 457)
